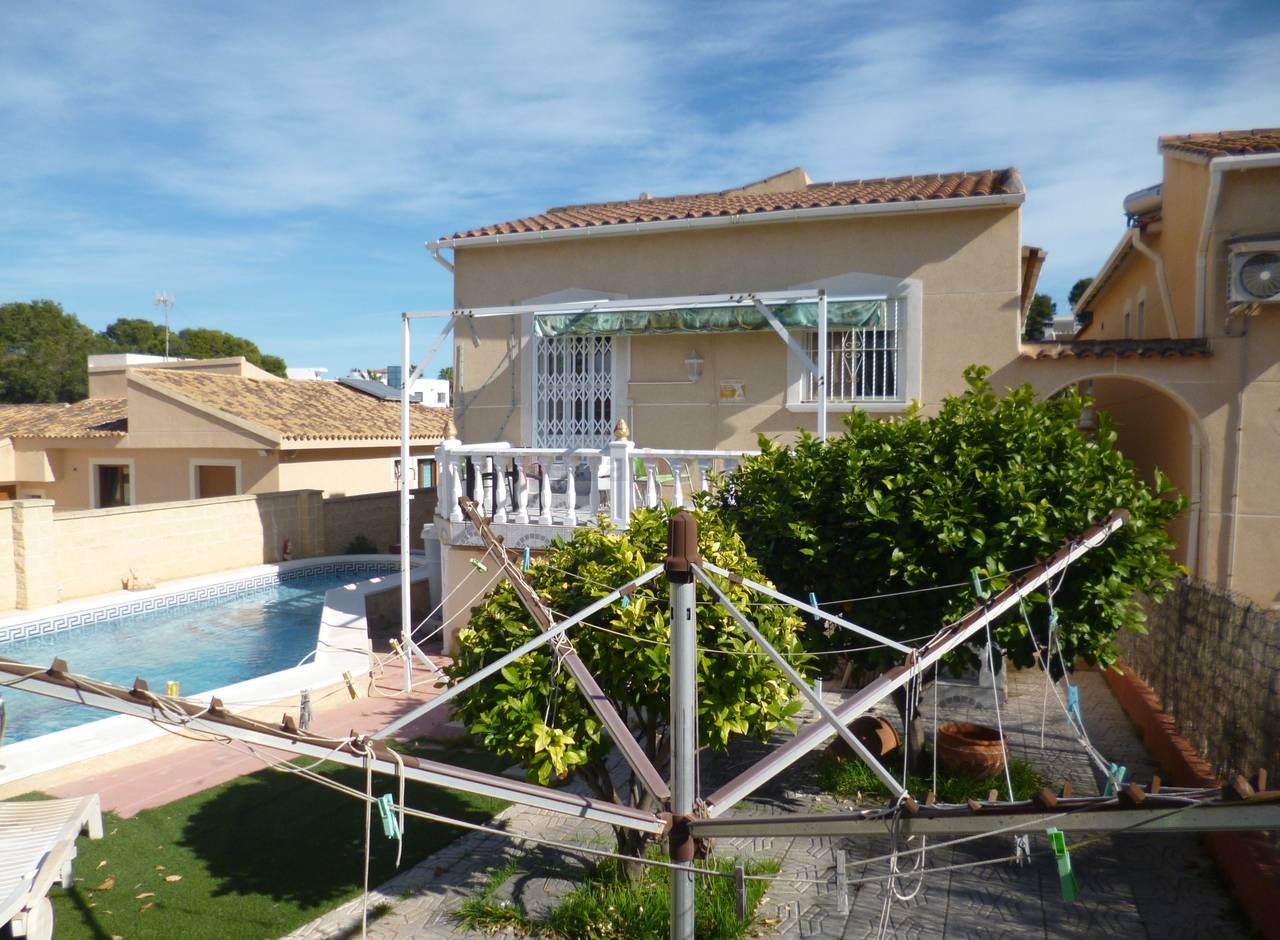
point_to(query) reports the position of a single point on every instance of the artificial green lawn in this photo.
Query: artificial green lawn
(257, 857)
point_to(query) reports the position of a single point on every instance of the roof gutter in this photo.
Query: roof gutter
(817, 213)
(1217, 167)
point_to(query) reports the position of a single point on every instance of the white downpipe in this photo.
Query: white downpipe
(1218, 166)
(1161, 280)
(1193, 523)
(434, 248)
(822, 365)
(406, 614)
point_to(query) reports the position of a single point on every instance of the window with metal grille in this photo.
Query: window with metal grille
(863, 363)
(574, 391)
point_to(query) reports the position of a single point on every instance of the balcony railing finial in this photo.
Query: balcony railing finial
(450, 430)
(620, 430)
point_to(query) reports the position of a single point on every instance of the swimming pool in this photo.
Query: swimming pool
(202, 644)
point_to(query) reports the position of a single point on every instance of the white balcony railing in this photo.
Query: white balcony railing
(559, 487)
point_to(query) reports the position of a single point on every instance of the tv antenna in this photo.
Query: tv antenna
(166, 301)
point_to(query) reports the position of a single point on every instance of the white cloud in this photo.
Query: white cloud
(220, 146)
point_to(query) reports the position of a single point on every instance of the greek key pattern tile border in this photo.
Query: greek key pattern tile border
(204, 593)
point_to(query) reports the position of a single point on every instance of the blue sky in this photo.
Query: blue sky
(278, 166)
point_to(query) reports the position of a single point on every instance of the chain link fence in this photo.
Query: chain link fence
(1213, 657)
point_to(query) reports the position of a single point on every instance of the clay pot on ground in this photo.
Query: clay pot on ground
(875, 734)
(969, 749)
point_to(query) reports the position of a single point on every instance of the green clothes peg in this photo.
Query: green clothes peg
(1070, 887)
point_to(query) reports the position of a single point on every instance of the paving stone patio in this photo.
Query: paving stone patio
(1131, 885)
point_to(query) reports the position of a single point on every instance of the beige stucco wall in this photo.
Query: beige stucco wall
(8, 573)
(1135, 282)
(97, 549)
(350, 471)
(158, 475)
(969, 263)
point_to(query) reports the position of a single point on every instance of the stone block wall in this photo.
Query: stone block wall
(376, 516)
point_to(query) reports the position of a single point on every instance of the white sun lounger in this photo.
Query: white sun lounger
(37, 844)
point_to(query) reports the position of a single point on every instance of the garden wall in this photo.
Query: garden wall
(1214, 660)
(47, 556)
(376, 516)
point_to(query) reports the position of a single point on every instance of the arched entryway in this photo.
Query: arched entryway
(1156, 428)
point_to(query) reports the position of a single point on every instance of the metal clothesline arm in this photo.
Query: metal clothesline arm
(943, 642)
(595, 697)
(803, 687)
(480, 675)
(809, 608)
(215, 721)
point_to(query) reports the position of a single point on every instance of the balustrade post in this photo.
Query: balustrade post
(620, 476)
(651, 492)
(544, 493)
(477, 483)
(594, 462)
(704, 466)
(570, 492)
(499, 489)
(677, 488)
(522, 493)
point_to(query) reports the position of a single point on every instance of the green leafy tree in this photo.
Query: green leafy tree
(133, 334)
(447, 374)
(890, 509)
(534, 713)
(43, 353)
(1078, 289)
(1039, 316)
(203, 343)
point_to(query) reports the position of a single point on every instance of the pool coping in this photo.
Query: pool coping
(342, 646)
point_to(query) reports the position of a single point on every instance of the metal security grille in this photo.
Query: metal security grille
(574, 391)
(863, 364)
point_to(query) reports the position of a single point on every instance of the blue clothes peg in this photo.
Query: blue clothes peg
(386, 810)
(527, 555)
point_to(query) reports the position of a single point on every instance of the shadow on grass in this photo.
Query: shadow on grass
(297, 842)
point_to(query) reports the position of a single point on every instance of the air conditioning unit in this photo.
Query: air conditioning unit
(1255, 272)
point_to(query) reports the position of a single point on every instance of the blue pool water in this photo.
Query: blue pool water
(202, 645)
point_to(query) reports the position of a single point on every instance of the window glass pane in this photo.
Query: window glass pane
(862, 363)
(113, 486)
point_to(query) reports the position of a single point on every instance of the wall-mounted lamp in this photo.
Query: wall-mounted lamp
(694, 365)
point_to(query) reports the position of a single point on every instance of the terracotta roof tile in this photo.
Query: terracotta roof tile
(301, 411)
(735, 202)
(93, 417)
(1225, 143)
(1117, 348)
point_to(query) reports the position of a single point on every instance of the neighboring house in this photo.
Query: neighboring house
(646, 310)
(192, 429)
(1182, 347)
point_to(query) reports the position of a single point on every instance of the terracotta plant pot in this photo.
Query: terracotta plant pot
(875, 734)
(973, 750)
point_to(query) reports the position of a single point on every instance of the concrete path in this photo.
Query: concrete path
(1131, 885)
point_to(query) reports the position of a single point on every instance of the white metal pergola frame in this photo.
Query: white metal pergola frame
(761, 301)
